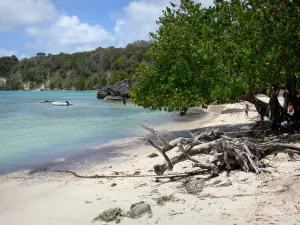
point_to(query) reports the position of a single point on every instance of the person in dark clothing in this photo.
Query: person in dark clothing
(68, 103)
(124, 99)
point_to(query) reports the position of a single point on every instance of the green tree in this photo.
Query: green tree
(176, 80)
(18, 86)
(117, 75)
(230, 51)
(79, 85)
(88, 85)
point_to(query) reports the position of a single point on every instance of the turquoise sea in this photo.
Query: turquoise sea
(32, 133)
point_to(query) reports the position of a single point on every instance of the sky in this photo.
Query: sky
(54, 26)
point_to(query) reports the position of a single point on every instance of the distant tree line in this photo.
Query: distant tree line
(79, 71)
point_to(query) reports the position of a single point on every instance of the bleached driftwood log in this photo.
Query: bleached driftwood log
(229, 151)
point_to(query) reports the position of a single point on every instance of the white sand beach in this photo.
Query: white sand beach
(62, 199)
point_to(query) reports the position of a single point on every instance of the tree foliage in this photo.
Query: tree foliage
(234, 49)
(80, 71)
(7, 64)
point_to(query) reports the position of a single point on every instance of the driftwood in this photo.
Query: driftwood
(102, 176)
(229, 150)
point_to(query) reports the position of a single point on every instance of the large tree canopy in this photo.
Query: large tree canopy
(230, 51)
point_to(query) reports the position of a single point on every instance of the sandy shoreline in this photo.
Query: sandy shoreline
(51, 198)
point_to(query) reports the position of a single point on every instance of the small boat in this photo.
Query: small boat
(61, 103)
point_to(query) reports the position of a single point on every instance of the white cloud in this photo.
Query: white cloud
(139, 18)
(17, 14)
(53, 32)
(6, 52)
(68, 34)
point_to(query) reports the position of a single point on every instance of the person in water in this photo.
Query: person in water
(68, 103)
(124, 100)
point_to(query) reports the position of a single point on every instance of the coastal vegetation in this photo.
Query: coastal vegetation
(228, 52)
(78, 71)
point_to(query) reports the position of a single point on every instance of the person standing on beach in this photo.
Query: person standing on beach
(290, 109)
(246, 110)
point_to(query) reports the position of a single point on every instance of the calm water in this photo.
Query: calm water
(32, 133)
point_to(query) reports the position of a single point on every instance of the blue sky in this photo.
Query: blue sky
(54, 26)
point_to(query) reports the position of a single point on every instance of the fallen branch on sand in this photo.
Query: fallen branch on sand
(230, 150)
(97, 176)
(227, 151)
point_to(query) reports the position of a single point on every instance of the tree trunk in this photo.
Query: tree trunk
(260, 106)
(277, 112)
(291, 97)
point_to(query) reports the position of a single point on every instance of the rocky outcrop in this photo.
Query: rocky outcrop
(2, 82)
(119, 89)
(109, 97)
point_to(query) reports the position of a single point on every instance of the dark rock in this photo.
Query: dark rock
(113, 184)
(138, 210)
(194, 186)
(113, 214)
(120, 89)
(152, 155)
(163, 199)
(141, 185)
(137, 173)
(48, 101)
(113, 98)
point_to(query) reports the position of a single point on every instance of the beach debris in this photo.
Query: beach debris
(216, 182)
(88, 202)
(162, 200)
(225, 183)
(138, 210)
(213, 183)
(113, 214)
(194, 186)
(141, 185)
(153, 155)
(240, 149)
(113, 184)
(174, 213)
(137, 172)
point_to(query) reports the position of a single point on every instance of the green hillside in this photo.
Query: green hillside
(78, 71)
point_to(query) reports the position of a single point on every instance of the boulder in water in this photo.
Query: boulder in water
(48, 101)
(114, 98)
(119, 89)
